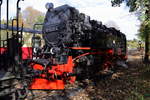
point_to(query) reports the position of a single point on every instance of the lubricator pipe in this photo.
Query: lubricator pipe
(1, 1)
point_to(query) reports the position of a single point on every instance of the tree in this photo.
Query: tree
(144, 28)
(143, 8)
(32, 16)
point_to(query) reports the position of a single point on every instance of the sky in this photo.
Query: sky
(100, 10)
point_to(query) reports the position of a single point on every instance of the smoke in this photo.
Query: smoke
(111, 23)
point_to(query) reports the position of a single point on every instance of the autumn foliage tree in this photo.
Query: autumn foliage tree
(32, 16)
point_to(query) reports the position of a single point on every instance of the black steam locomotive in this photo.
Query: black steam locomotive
(82, 46)
(75, 47)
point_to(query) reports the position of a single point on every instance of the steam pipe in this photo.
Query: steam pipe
(1, 1)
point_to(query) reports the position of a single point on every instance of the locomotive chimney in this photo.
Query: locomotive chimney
(49, 6)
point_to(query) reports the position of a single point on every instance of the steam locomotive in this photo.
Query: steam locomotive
(75, 47)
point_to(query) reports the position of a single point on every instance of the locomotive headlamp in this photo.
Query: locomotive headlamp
(114, 42)
(49, 6)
